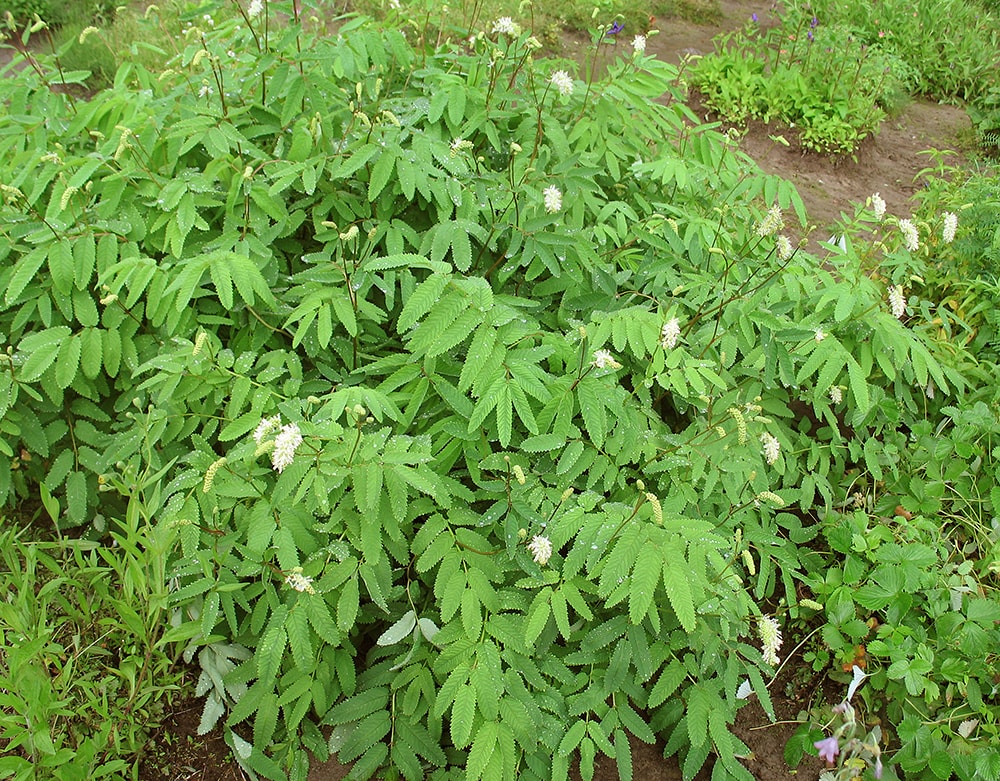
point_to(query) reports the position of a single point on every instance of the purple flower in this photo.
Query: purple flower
(753, 17)
(814, 22)
(828, 749)
(615, 28)
(809, 35)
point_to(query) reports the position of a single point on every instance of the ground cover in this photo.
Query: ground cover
(891, 506)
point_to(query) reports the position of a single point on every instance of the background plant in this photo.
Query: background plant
(85, 672)
(813, 76)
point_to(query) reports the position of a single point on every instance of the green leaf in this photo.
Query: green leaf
(68, 361)
(321, 620)
(590, 393)
(91, 352)
(381, 172)
(421, 300)
(645, 578)
(347, 604)
(299, 637)
(543, 443)
(270, 652)
(61, 265)
(399, 631)
(41, 349)
(405, 260)
(76, 497)
(482, 750)
(572, 738)
(671, 677)
(859, 386)
(266, 720)
(623, 755)
(675, 580)
(24, 271)
(463, 713)
(538, 616)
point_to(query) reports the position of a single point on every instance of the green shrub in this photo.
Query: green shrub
(489, 411)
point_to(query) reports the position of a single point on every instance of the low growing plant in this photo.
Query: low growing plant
(85, 673)
(490, 411)
(815, 77)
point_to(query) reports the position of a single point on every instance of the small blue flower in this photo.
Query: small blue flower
(753, 17)
(814, 22)
(615, 28)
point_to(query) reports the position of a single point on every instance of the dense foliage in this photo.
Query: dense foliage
(488, 415)
(834, 71)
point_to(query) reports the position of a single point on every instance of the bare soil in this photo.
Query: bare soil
(890, 164)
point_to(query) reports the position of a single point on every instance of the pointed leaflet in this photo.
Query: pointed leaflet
(68, 362)
(420, 301)
(463, 714)
(398, 631)
(41, 349)
(482, 750)
(645, 577)
(859, 387)
(589, 394)
(679, 592)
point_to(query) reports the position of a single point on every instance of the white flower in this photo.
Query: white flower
(897, 301)
(265, 427)
(950, 226)
(639, 44)
(772, 447)
(819, 335)
(769, 632)
(563, 82)
(604, 360)
(553, 199)
(836, 394)
(670, 333)
(772, 222)
(878, 206)
(783, 247)
(910, 237)
(205, 91)
(858, 676)
(255, 9)
(506, 26)
(299, 582)
(541, 549)
(744, 691)
(285, 445)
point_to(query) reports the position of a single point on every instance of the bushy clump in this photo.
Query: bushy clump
(490, 411)
(950, 44)
(821, 79)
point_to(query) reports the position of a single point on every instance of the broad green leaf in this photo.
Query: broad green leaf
(589, 393)
(623, 755)
(482, 750)
(68, 361)
(675, 580)
(270, 652)
(41, 349)
(572, 738)
(463, 713)
(645, 578)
